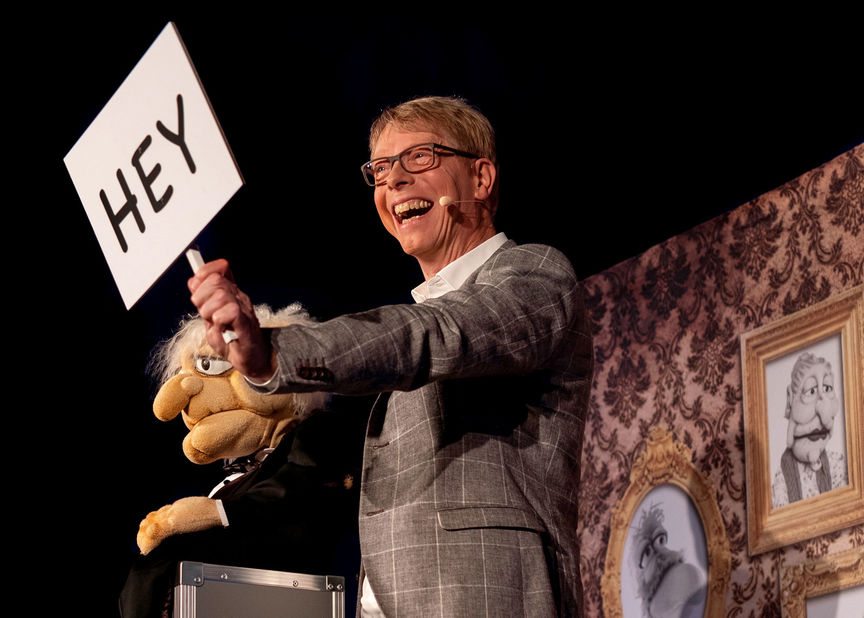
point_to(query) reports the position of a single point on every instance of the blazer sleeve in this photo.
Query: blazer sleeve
(512, 317)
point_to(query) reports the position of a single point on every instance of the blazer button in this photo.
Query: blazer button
(314, 372)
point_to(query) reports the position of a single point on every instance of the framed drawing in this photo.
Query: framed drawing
(803, 423)
(829, 586)
(668, 553)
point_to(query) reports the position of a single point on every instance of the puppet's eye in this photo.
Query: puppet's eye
(211, 365)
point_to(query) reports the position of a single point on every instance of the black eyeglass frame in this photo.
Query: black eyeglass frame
(369, 175)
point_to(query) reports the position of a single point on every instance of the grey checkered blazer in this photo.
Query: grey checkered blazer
(471, 466)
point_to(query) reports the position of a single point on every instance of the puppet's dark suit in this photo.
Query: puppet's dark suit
(468, 503)
(293, 513)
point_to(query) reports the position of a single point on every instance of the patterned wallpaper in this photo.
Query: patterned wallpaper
(666, 327)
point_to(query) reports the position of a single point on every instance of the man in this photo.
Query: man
(807, 469)
(471, 465)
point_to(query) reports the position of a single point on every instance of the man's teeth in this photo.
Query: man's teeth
(412, 208)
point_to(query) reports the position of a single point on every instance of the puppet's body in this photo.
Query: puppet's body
(287, 511)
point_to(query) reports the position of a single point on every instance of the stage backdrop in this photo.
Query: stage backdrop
(666, 327)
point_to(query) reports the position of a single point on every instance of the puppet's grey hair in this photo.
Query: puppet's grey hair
(650, 519)
(166, 358)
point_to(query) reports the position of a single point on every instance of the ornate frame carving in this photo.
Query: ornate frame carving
(666, 461)
(769, 527)
(813, 578)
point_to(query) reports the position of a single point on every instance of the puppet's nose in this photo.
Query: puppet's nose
(175, 395)
(192, 385)
(826, 414)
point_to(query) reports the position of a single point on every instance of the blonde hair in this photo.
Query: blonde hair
(466, 125)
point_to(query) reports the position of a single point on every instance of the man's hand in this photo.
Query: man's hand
(223, 306)
(186, 515)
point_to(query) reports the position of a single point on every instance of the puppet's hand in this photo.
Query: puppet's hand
(186, 515)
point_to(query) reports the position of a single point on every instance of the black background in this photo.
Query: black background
(615, 132)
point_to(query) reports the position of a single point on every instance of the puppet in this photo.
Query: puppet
(287, 501)
(667, 584)
(807, 467)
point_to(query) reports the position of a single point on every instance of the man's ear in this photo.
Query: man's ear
(484, 178)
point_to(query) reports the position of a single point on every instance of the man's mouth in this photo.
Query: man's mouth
(411, 209)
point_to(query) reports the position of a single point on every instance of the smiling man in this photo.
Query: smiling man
(409, 195)
(807, 469)
(471, 464)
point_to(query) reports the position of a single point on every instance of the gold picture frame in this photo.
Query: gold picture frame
(799, 582)
(777, 516)
(666, 462)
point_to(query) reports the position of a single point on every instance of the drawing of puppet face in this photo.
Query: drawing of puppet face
(667, 585)
(811, 406)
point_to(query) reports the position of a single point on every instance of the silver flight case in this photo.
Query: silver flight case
(216, 591)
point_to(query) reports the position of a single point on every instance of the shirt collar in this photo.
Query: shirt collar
(452, 276)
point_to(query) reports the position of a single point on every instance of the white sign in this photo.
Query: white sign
(153, 168)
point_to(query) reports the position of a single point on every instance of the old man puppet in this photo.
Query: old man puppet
(288, 502)
(807, 467)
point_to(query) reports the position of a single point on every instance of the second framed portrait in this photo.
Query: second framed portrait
(668, 554)
(804, 422)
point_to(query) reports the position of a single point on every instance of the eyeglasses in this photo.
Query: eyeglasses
(413, 160)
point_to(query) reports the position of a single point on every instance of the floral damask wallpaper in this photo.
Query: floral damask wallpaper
(666, 327)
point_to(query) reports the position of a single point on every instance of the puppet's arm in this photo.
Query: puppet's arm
(186, 515)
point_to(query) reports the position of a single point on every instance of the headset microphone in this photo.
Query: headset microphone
(446, 200)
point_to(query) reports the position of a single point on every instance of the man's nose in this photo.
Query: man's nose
(398, 175)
